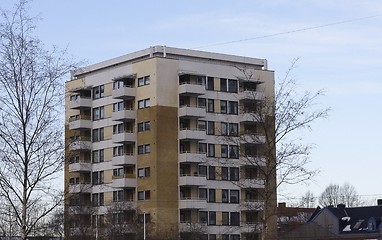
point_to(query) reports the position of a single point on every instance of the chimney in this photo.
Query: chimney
(341, 206)
(379, 202)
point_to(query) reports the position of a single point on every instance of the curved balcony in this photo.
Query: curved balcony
(127, 181)
(80, 188)
(124, 137)
(125, 93)
(192, 134)
(253, 161)
(191, 112)
(192, 157)
(80, 167)
(124, 160)
(192, 203)
(251, 95)
(82, 145)
(187, 180)
(191, 89)
(251, 183)
(124, 115)
(252, 138)
(80, 103)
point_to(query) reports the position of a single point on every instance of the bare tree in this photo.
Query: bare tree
(335, 194)
(274, 146)
(308, 200)
(31, 133)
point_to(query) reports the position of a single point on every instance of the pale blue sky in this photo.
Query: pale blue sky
(344, 59)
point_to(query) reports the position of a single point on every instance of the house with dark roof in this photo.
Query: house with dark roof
(341, 223)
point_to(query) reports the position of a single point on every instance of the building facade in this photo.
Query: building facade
(158, 146)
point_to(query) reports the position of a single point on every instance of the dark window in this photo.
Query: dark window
(211, 173)
(211, 150)
(211, 195)
(211, 128)
(223, 106)
(235, 219)
(98, 113)
(202, 193)
(234, 174)
(225, 173)
(223, 128)
(202, 148)
(98, 92)
(210, 105)
(144, 172)
(210, 83)
(225, 196)
(212, 218)
(202, 125)
(203, 216)
(234, 196)
(234, 151)
(225, 218)
(233, 107)
(223, 84)
(232, 86)
(224, 151)
(143, 81)
(233, 129)
(145, 103)
(202, 102)
(202, 170)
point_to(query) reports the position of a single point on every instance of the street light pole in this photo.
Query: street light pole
(144, 226)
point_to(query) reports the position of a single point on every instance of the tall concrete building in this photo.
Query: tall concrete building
(156, 149)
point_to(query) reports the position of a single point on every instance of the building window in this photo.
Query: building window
(98, 199)
(74, 181)
(201, 102)
(211, 150)
(234, 196)
(225, 198)
(143, 81)
(202, 171)
(202, 148)
(98, 113)
(118, 196)
(118, 172)
(211, 173)
(118, 128)
(234, 220)
(212, 237)
(144, 195)
(234, 152)
(98, 134)
(202, 193)
(223, 106)
(118, 151)
(202, 125)
(143, 149)
(224, 173)
(118, 106)
(223, 128)
(233, 108)
(234, 129)
(234, 174)
(98, 156)
(211, 128)
(210, 105)
(232, 86)
(98, 177)
(144, 126)
(98, 92)
(210, 83)
(223, 84)
(144, 172)
(145, 103)
(212, 218)
(224, 151)
(74, 159)
(203, 216)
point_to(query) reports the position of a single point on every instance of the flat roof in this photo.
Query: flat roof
(172, 53)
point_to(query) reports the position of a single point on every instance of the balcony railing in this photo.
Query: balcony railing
(80, 145)
(125, 92)
(80, 102)
(251, 95)
(188, 180)
(191, 134)
(124, 115)
(191, 111)
(187, 203)
(191, 89)
(80, 122)
(80, 167)
(193, 157)
(125, 159)
(124, 137)
(125, 182)
(80, 188)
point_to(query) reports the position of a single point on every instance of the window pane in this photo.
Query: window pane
(235, 219)
(210, 83)
(211, 150)
(225, 195)
(232, 86)
(147, 126)
(223, 84)
(211, 128)
(224, 151)
(202, 170)
(211, 173)
(210, 106)
(211, 195)
(202, 216)
(140, 127)
(234, 174)
(223, 106)
(234, 196)
(224, 173)
(212, 218)
(202, 148)
(202, 193)
(234, 152)
(225, 218)
(201, 102)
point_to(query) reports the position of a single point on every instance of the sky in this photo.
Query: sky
(344, 59)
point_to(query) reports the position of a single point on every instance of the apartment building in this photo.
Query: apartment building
(156, 149)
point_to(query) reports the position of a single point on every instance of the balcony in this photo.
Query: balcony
(80, 188)
(192, 157)
(191, 89)
(192, 203)
(251, 95)
(80, 122)
(127, 181)
(125, 93)
(124, 115)
(191, 134)
(81, 145)
(80, 103)
(251, 183)
(253, 161)
(124, 137)
(192, 180)
(250, 117)
(124, 160)
(191, 226)
(191, 112)
(252, 205)
(80, 167)
(252, 138)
